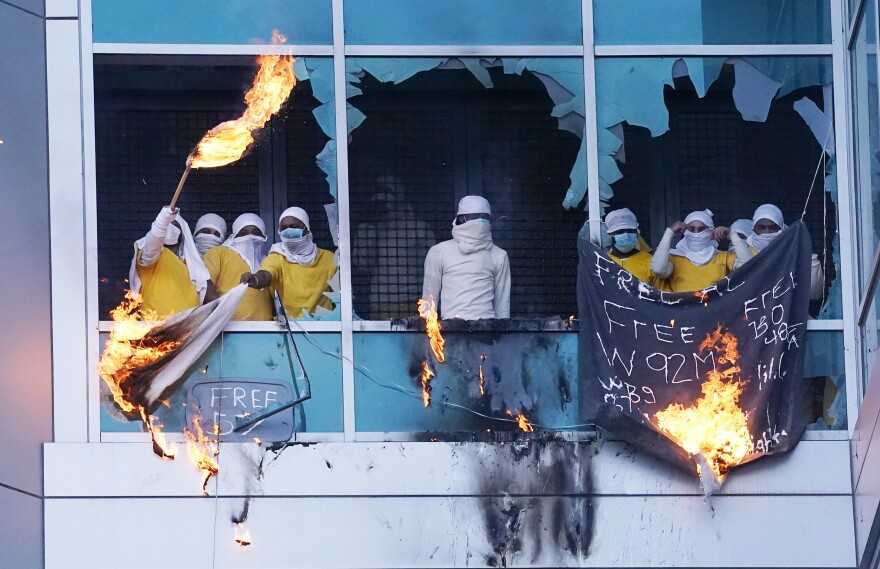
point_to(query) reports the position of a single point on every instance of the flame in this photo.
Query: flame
(126, 350)
(242, 534)
(202, 450)
(427, 376)
(428, 311)
(714, 426)
(227, 142)
(522, 421)
(482, 379)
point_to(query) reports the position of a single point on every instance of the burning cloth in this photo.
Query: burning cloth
(708, 379)
(141, 382)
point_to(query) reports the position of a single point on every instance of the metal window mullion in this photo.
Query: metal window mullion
(591, 128)
(463, 50)
(846, 211)
(692, 50)
(210, 49)
(342, 200)
(851, 28)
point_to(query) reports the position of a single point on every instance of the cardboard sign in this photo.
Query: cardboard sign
(218, 402)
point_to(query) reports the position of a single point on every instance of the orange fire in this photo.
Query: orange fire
(427, 376)
(202, 450)
(242, 534)
(482, 379)
(428, 311)
(522, 421)
(126, 350)
(714, 426)
(228, 141)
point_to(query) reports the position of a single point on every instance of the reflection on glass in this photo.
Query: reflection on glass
(678, 135)
(824, 381)
(711, 22)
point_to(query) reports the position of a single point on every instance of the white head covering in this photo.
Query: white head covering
(189, 254)
(774, 214)
(473, 204)
(771, 212)
(699, 248)
(213, 221)
(743, 226)
(250, 247)
(620, 219)
(303, 250)
(705, 216)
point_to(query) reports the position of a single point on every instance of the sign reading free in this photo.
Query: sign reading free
(219, 402)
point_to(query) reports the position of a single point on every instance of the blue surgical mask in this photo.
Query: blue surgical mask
(291, 233)
(481, 220)
(625, 242)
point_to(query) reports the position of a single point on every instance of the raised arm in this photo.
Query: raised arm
(660, 264)
(154, 240)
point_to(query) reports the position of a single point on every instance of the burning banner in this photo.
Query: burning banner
(145, 360)
(708, 379)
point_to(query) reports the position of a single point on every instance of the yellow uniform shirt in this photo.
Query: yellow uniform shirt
(300, 286)
(226, 267)
(165, 285)
(687, 276)
(639, 266)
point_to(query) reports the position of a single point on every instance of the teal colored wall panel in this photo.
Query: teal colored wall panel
(711, 22)
(211, 22)
(463, 22)
(263, 356)
(534, 373)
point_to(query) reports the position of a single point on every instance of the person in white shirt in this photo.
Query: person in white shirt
(468, 275)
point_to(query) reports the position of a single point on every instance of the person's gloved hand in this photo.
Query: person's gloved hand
(678, 228)
(163, 220)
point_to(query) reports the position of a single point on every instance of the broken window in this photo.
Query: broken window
(678, 135)
(425, 133)
(711, 22)
(150, 111)
(463, 22)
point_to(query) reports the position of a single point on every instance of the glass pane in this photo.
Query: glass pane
(678, 135)
(825, 381)
(252, 357)
(530, 373)
(425, 133)
(711, 22)
(866, 143)
(241, 22)
(870, 333)
(463, 22)
(151, 111)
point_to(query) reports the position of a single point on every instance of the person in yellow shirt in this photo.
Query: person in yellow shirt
(696, 263)
(166, 269)
(296, 268)
(623, 227)
(242, 252)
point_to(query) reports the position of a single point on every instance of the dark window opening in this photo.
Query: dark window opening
(150, 112)
(438, 137)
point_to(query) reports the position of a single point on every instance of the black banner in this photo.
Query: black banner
(716, 371)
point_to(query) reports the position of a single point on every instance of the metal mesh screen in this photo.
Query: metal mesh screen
(140, 157)
(440, 136)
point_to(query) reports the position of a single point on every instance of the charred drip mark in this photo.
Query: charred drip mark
(242, 516)
(505, 527)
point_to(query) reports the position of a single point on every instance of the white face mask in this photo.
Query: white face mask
(250, 247)
(762, 240)
(249, 239)
(172, 235)
(298, 245)
(205, 241)
(698, 241)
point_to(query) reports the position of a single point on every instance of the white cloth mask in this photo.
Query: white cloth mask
(250, 247)
(472, 236)
(205, 241)
(699, 248)
(762, 240)
(300, 250)
(172, 235)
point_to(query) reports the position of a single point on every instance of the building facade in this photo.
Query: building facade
(556, 112)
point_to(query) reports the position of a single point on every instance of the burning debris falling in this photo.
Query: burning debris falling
(129, 348)
(228, 141)
(427, 376)
(428, 311)
(202, 450)
(242, 535)
(482, 378)
(522, 421)
(714, 427)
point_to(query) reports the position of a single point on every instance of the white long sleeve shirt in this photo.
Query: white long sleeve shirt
(471, 284)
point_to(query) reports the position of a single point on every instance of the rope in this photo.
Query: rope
(816, 173)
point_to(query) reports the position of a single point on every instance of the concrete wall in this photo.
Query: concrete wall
(25, 302)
